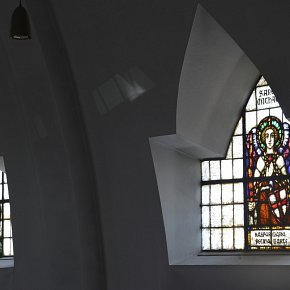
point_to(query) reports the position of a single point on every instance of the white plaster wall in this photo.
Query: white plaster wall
(43, 143)
(215, 82)
(178, 179)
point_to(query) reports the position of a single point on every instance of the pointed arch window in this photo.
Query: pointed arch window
(245, 203)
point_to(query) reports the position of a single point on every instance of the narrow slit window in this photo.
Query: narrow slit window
(6, 237)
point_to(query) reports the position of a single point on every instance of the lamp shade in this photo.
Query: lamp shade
(20, 25)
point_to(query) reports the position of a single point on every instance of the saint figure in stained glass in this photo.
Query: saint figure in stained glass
(268, 200)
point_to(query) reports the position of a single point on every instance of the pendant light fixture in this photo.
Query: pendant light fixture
(20, 24)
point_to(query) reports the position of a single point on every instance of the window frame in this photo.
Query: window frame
(244, 179)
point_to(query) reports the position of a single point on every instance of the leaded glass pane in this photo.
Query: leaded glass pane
(265, 98)
(238, 168)
(216, 239)
(226, 169)
(239, 128)
(277, 112)
(261, 115)
(252, 102)
(238, 147)
(205, 239)
(11, 247)
(280, 237)
(7, 229)
(215, 216)
(205, 194)
(215, 170)
(239, 238)
(227, 193)
(230, 151)
(260, 238)
(215, 195)
(205, 170)
(238, 192)
(7, 247)
(205, 216)
(227, 215)
(251, 120)
(228, 238)
(6, 210)
(5, 190)
(239, 215)
(262, 82)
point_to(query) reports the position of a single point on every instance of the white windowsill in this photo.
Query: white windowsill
(7, 262)
(178, 179)
(238, 259)
(244, 253)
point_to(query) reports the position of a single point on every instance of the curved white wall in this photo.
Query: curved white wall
(215, 82)
(52, 188)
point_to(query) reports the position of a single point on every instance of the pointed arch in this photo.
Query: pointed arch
(245, 197)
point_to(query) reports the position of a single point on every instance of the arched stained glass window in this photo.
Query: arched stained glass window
(245, 197)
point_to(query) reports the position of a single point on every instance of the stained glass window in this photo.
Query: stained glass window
(6, 240)
(245, 204)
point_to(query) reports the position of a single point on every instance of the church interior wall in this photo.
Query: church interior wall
(85, 203)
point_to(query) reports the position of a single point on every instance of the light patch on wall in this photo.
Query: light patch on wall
(134, 83)
(122, 87)
(111, 94)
